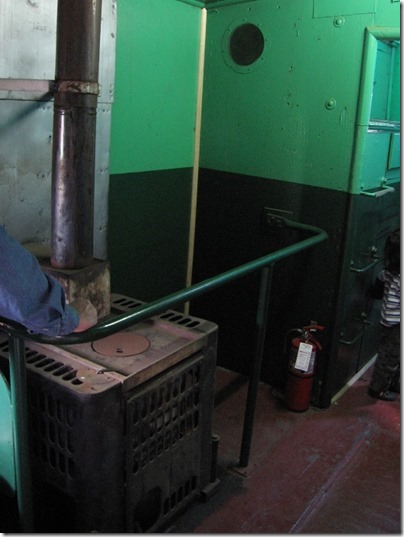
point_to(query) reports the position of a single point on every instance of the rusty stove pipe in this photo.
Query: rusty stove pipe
(74, 126)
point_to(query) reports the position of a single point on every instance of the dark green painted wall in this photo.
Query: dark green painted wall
(224, 241)
(148, 230)
(316, 285)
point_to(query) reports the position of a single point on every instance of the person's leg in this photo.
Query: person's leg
(395, 385)
(386, 364)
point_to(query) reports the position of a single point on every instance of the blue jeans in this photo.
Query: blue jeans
(30, 297)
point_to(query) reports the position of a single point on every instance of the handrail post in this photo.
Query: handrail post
(261, 322)
(18, 389)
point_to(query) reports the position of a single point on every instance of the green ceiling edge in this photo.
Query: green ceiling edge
(196, 3)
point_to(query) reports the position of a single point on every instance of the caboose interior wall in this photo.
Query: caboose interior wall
(279, 134)
(284, 133)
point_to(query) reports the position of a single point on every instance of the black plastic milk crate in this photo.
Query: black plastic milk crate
(76, 421)
(125, 457)
(168, 449)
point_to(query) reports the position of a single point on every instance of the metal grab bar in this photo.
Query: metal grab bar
(125, 320)
(358, 336)
(18, 334)
(368, 267)
(382, 192)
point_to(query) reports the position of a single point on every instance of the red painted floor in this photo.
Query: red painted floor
(321, 471)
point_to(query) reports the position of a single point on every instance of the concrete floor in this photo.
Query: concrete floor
(321, 471)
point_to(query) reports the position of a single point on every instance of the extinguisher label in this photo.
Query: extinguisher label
(303, 356)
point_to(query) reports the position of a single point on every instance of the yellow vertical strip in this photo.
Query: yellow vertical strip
(197, 144)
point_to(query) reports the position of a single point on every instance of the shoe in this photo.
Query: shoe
(384, 395)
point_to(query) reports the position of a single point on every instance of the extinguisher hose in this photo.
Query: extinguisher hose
(293, 330)
(315, 341)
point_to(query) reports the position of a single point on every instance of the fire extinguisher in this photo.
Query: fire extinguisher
(302, 365)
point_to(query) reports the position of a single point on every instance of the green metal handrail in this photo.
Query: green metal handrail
(104, 328)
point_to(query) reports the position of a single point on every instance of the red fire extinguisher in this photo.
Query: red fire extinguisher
(302, 364)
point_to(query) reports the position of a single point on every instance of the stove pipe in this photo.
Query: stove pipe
(74, 126)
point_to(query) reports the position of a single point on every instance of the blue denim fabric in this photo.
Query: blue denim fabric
(28, 295)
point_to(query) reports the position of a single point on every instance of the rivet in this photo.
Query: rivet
(339, 22)
(330, 104)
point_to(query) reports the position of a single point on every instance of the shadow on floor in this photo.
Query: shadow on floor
(321, 471)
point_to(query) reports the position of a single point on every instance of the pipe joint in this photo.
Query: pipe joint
(76, 86)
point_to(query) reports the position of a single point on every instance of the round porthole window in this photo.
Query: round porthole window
(244, 45)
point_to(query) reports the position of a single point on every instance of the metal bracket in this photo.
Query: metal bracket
(276, 217)
(27, 85)
(77, 86)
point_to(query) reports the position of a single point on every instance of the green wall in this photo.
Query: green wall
(285, 132)
(291, 115)
(152, 145)
(282, 133)
(155, 86)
